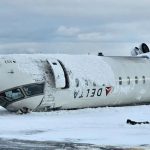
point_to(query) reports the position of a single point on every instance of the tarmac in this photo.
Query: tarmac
(15, 144)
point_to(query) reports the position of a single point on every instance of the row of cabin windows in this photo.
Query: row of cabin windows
(129, 80)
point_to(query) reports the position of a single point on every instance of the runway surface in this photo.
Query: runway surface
(14, 144)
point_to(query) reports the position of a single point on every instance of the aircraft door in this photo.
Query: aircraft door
(58, 72)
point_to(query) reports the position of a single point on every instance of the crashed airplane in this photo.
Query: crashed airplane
(44, 82)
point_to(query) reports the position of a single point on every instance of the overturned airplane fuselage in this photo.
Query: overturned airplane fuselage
(47, 82)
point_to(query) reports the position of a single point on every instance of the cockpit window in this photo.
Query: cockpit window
(34, 89)
(21, 92)
(13, 94)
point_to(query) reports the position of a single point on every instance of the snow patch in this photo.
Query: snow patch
(102, 126)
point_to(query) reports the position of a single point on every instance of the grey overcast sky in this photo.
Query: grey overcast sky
(73, 26)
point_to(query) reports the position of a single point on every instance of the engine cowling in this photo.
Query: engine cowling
(143, 48)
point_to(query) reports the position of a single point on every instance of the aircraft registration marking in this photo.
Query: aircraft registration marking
(10, 61)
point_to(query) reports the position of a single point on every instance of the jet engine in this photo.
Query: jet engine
(143, 48)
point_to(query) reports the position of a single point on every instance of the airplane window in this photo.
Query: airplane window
(54, 63)
(143, 79)
(12, 95)
(34, 89)
(120, 81)
(136, 80)
(77, 82)
(128, 80)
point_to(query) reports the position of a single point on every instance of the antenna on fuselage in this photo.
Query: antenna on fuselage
(100, 54)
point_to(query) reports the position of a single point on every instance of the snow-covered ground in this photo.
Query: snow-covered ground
(101, 126)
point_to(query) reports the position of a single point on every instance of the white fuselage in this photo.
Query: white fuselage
(72, 82)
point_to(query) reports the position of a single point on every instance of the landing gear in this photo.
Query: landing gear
(24, 110)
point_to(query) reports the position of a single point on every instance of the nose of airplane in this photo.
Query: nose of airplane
(3, 102)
